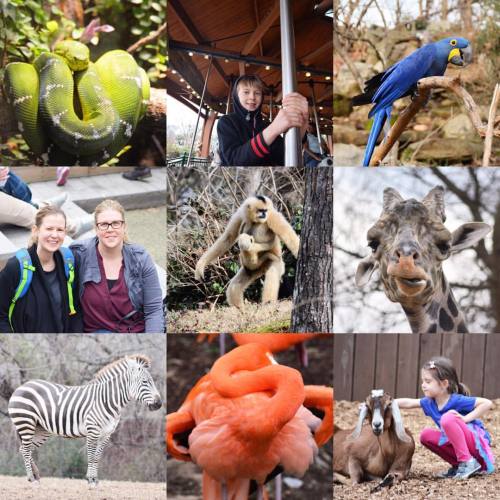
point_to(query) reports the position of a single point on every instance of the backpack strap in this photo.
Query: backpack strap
(69, 271)
(26, 275)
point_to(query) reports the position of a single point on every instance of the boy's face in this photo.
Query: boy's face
(250, 96)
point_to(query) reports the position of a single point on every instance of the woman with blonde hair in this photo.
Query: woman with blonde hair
(39, 285)
(119, 286)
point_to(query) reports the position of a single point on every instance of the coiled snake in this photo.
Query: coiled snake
(71, 111)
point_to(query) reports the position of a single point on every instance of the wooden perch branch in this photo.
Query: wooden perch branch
(424, 88)
(143, 41)
(491, 125)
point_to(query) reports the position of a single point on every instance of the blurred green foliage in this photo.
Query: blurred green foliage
(136, 19)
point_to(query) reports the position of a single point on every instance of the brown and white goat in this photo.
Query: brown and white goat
(383, 449)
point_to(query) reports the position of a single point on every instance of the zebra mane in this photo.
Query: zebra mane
(138, 358)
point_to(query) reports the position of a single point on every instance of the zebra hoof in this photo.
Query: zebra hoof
(92, 484)
(35, 483)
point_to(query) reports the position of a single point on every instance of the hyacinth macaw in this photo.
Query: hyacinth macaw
(400, 80)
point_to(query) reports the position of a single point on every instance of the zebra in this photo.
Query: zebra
(39, 409)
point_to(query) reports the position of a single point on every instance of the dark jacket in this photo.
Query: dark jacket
(36, 312)
(141, 278)
(240, 138)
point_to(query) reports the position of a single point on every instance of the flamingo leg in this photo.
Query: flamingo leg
(302, 354)
(222, 344)
(260, 492)
(277, 487)
(224, 491)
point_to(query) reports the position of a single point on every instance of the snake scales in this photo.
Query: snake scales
(71, 111)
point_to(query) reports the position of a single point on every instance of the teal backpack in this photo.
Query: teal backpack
(27, 269)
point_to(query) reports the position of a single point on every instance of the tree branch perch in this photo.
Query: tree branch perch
(424, 87)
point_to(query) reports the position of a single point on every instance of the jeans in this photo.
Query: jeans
(17, 188)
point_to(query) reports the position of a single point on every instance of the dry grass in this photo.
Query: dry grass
(273, 317)
(422, 485)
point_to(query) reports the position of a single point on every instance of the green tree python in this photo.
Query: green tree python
(71, 111)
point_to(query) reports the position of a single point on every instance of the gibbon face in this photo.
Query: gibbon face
(258, 208)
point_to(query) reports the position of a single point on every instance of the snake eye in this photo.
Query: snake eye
(453, 42)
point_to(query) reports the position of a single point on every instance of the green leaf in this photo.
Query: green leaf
(156, 19)
(156, 6)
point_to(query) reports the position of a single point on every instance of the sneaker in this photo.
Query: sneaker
(62, 175)
(466, 469)
(81, 226)
(57, 201)
(138, 174)
(449, 473)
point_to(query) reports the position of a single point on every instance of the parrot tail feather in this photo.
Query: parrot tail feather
(378, 122)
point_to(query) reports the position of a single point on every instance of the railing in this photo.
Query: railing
(181, 161)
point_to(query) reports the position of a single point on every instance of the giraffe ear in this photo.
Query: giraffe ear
(391, 198)
(467, 235)
(365, 270)
(434, 202)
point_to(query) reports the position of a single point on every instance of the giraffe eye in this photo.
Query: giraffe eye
(374, 244)
(453, 42)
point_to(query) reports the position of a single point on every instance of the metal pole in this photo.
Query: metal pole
(316, 117)
(271, 104)
(293, 158)
(228, 103)
(199, 113)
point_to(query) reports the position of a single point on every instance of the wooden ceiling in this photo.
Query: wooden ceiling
(247, 27)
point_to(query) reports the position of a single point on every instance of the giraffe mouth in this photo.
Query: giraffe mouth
(408, 281)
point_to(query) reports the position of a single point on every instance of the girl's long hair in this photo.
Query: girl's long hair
(442, 368)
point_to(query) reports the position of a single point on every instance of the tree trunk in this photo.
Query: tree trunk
(466, 15)
(313, 293)
(495, 271)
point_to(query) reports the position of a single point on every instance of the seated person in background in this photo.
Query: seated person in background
(245, 139)
(310, 147)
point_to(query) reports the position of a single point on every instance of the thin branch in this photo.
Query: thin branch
(143, 41)
(491, 125)
(424, 87)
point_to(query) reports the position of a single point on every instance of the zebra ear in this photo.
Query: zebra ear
(142, 360)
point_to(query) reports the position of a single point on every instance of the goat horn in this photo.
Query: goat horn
(398, 423)
(363, 410)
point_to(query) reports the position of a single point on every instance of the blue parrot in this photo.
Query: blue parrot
(400, 80)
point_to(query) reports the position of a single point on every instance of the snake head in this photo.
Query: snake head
(76, 54)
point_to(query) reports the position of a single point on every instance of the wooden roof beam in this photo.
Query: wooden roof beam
(193, 33)
(262, 28)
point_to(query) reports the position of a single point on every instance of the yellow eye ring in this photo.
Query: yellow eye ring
(453, 42)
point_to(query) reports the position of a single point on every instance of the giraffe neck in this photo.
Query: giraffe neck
(439, 314)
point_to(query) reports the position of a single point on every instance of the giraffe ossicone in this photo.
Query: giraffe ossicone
(409, 242)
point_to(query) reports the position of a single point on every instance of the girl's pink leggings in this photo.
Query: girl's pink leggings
(460, 445)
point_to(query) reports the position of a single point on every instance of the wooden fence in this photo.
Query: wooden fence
(364, 362)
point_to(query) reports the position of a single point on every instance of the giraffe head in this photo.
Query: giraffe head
(409, 242)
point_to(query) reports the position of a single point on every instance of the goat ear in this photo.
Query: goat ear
(363, 410)
(398, 423)
(468, 235)
(391, 199)
(365, 270)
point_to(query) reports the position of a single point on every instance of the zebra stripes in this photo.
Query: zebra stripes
(39, 409)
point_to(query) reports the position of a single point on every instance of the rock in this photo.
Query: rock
(350, 135)
(443, 151)
(347, 155)
(346, 85)
(342, 106)
(459, 127)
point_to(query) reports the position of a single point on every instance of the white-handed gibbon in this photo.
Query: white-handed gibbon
(257, 218)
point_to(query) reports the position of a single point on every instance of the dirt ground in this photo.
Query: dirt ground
(187, 361)
(421, 484)
(51, 488)
(253, 317)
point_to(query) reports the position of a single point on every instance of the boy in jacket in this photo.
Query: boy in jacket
(245, 139)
